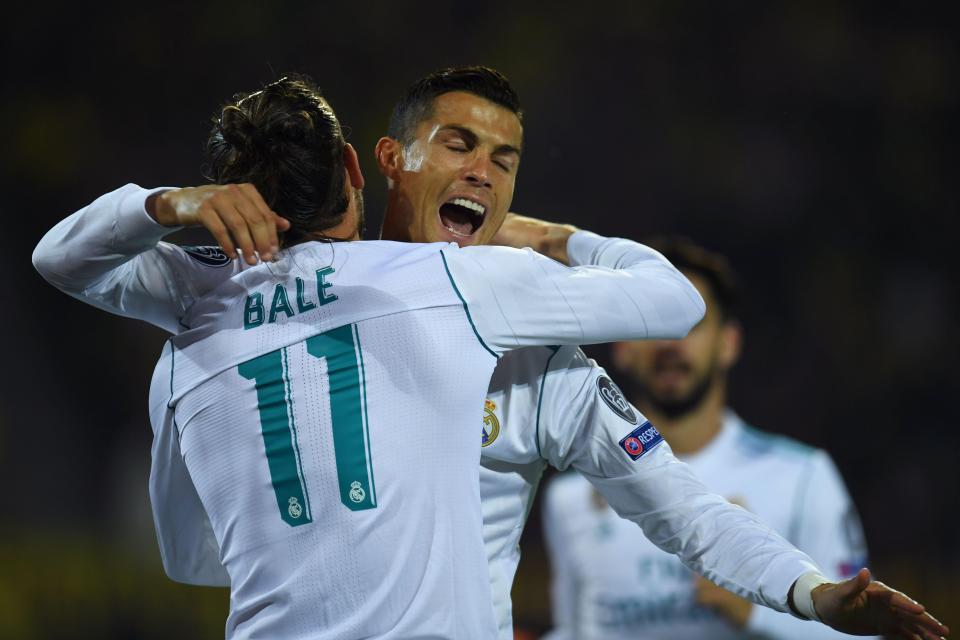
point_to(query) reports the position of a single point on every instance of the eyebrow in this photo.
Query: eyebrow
(472, 138)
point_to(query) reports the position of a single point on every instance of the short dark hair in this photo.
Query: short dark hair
(715, 269)
(285, 140)
(416, 104)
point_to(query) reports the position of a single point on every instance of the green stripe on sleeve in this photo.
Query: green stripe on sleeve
(465, 308)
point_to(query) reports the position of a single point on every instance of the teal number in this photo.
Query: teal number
(279, 435)
(350, 439)
(347, 407)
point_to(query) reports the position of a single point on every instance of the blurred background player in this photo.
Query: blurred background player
(609, 581)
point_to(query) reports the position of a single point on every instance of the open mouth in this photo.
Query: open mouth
(462, 217)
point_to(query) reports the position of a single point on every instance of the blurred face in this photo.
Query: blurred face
(454, 182)
(674, 376)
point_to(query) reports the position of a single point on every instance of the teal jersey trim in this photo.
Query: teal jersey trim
(465, 308)
(782, 443)
(172, 361)
(366, 417)
(796, 513)
(543, 385)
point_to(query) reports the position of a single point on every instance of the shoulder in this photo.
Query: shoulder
(792, 458)
(506, 263)
(755, 442)
(522, 364)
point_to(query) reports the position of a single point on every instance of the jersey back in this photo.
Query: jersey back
(327, 408)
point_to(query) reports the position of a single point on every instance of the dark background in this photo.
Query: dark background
(812, 143)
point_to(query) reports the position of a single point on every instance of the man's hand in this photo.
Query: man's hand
(548, 238)
(729, 605)
(235, 214)
(862, 607)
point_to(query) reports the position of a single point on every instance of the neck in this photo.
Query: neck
(392, 228)
(692, 431)
(347, 230)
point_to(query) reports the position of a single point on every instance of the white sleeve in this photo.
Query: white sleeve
(563, 580)
(726, 544)
(617, 290)
(109, 255)
(826, 526)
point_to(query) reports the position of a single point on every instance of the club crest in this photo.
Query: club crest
(357, 494)
(491, 425)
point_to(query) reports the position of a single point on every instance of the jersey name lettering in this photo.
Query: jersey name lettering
(254, 312)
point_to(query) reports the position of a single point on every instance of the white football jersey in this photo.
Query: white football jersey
(554, 405)
(610, 581)
(325, 405)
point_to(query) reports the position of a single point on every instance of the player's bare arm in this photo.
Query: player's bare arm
(547, 238)
(235, 214)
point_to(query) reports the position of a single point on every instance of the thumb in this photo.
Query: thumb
(850, 589)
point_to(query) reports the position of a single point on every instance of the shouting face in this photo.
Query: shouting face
(454, 181)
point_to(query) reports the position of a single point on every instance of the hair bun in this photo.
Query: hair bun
(237, 129)
(295, 127)
(245, 135)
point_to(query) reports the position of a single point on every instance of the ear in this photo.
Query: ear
(731, 343)
(352, 164)
(389, 154)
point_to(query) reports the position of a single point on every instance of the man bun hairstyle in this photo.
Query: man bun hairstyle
(285, 140)
(416, 104)
(715, 269)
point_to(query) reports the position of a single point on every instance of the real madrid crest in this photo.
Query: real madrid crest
(491, 425)
(294, 508)
(357, 494)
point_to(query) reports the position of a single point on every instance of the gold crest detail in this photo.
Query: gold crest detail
(491, 425)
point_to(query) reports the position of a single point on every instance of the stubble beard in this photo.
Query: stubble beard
(361, 218)
(673, 407)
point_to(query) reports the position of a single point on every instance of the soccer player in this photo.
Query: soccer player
(451, 176)
(325, 404)
(554, 405)
(611, 582)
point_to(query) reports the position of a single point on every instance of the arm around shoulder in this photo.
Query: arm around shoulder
(618, 290)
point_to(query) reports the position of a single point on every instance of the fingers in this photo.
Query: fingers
(239, 218)
(897, 599)
(211, 222)
(281, 223)
(263, 222)
(913, 618)
(254, 227)
(903, 603)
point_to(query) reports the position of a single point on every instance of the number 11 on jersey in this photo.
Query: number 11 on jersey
(351, 443)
